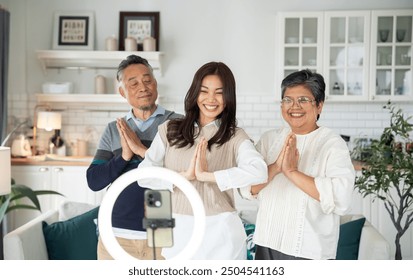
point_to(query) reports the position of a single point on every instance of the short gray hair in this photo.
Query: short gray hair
(130, 60)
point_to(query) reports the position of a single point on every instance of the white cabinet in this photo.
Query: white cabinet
(300, 36)
(68, 180)
(391, 49)
(363, 55)
(346, 55)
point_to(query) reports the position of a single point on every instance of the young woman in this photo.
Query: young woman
(216, 156)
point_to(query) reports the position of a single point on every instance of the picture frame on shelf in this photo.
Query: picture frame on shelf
(138, 25)
(74, 30)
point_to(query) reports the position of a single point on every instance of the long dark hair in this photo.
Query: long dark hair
(181, 132)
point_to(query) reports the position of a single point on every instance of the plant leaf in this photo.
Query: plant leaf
(20, 191)
(3, 207)
(21, 206)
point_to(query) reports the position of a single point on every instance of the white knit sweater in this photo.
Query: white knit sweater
(288, 219)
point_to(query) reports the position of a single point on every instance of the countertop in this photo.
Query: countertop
(51, 160)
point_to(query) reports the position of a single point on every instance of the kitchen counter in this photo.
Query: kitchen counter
(51, 160)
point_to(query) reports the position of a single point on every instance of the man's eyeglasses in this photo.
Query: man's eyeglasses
(302, 101)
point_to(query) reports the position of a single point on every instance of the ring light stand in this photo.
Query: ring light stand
(105, 211)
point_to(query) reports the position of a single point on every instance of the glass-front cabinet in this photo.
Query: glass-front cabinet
(301, 34)
(391, 42)
(363, 55)
(346, 45)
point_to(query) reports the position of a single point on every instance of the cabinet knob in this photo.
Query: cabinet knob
(43, 169)
(58, 169)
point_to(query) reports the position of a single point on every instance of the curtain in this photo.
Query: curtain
(4, 62)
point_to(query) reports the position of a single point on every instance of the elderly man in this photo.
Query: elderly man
(122, 147)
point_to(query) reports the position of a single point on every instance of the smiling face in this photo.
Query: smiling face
(210, 99)
(139, 88)
(302, 118)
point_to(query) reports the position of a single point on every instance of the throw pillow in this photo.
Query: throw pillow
(349, 240)
(249, 230)
(74, 239)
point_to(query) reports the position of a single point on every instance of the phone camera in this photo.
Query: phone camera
(154, 199)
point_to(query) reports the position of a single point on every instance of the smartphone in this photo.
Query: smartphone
(158, 205)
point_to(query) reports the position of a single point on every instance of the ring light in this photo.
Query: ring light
(105, 211)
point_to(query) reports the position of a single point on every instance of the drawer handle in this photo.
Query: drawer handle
(58, 169)
(43, 169)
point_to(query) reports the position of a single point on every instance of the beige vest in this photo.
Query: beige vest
(219, 158)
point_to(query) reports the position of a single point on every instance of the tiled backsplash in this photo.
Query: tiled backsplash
(256, 113)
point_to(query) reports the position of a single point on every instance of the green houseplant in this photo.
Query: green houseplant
(388, 173)
(14, 201)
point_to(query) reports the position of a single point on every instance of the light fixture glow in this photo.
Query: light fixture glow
(49, 120)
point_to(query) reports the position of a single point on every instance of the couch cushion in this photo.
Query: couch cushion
(251, 247)
(74, 239)
(70, 209)
(349, 240)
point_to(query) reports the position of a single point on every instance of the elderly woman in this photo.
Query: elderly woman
(310, 178)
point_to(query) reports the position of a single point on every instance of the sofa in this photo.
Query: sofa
(367, 243)
(28, 242)
(373, 246)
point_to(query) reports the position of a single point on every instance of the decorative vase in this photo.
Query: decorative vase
(384, 35)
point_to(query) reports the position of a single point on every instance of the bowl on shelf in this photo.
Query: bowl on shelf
(54, 87)
(292, 40)
(400, 34)
(308, 40)
(312, 62)
(384, 35)
(354, 40)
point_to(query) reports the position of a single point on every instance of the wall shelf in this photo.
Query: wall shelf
(78, 60)
(80, 98)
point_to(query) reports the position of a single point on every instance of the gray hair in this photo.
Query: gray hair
(130, 60)
(311, 80)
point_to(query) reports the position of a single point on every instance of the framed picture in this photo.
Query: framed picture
(73, 31)
(138, 25)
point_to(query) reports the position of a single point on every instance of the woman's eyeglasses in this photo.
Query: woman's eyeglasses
(302, 101)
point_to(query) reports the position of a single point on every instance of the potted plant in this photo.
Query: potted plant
(388, 173)
(13, 201)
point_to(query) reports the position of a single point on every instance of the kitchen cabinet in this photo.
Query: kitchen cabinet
(363, 55)
(300, 36)
(346, 60)
(391, 49)
(68, 180)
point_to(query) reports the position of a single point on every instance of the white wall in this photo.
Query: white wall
(240, 33)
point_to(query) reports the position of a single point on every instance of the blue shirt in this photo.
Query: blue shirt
(145, 124)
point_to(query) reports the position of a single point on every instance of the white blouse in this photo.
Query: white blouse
(288, 219)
